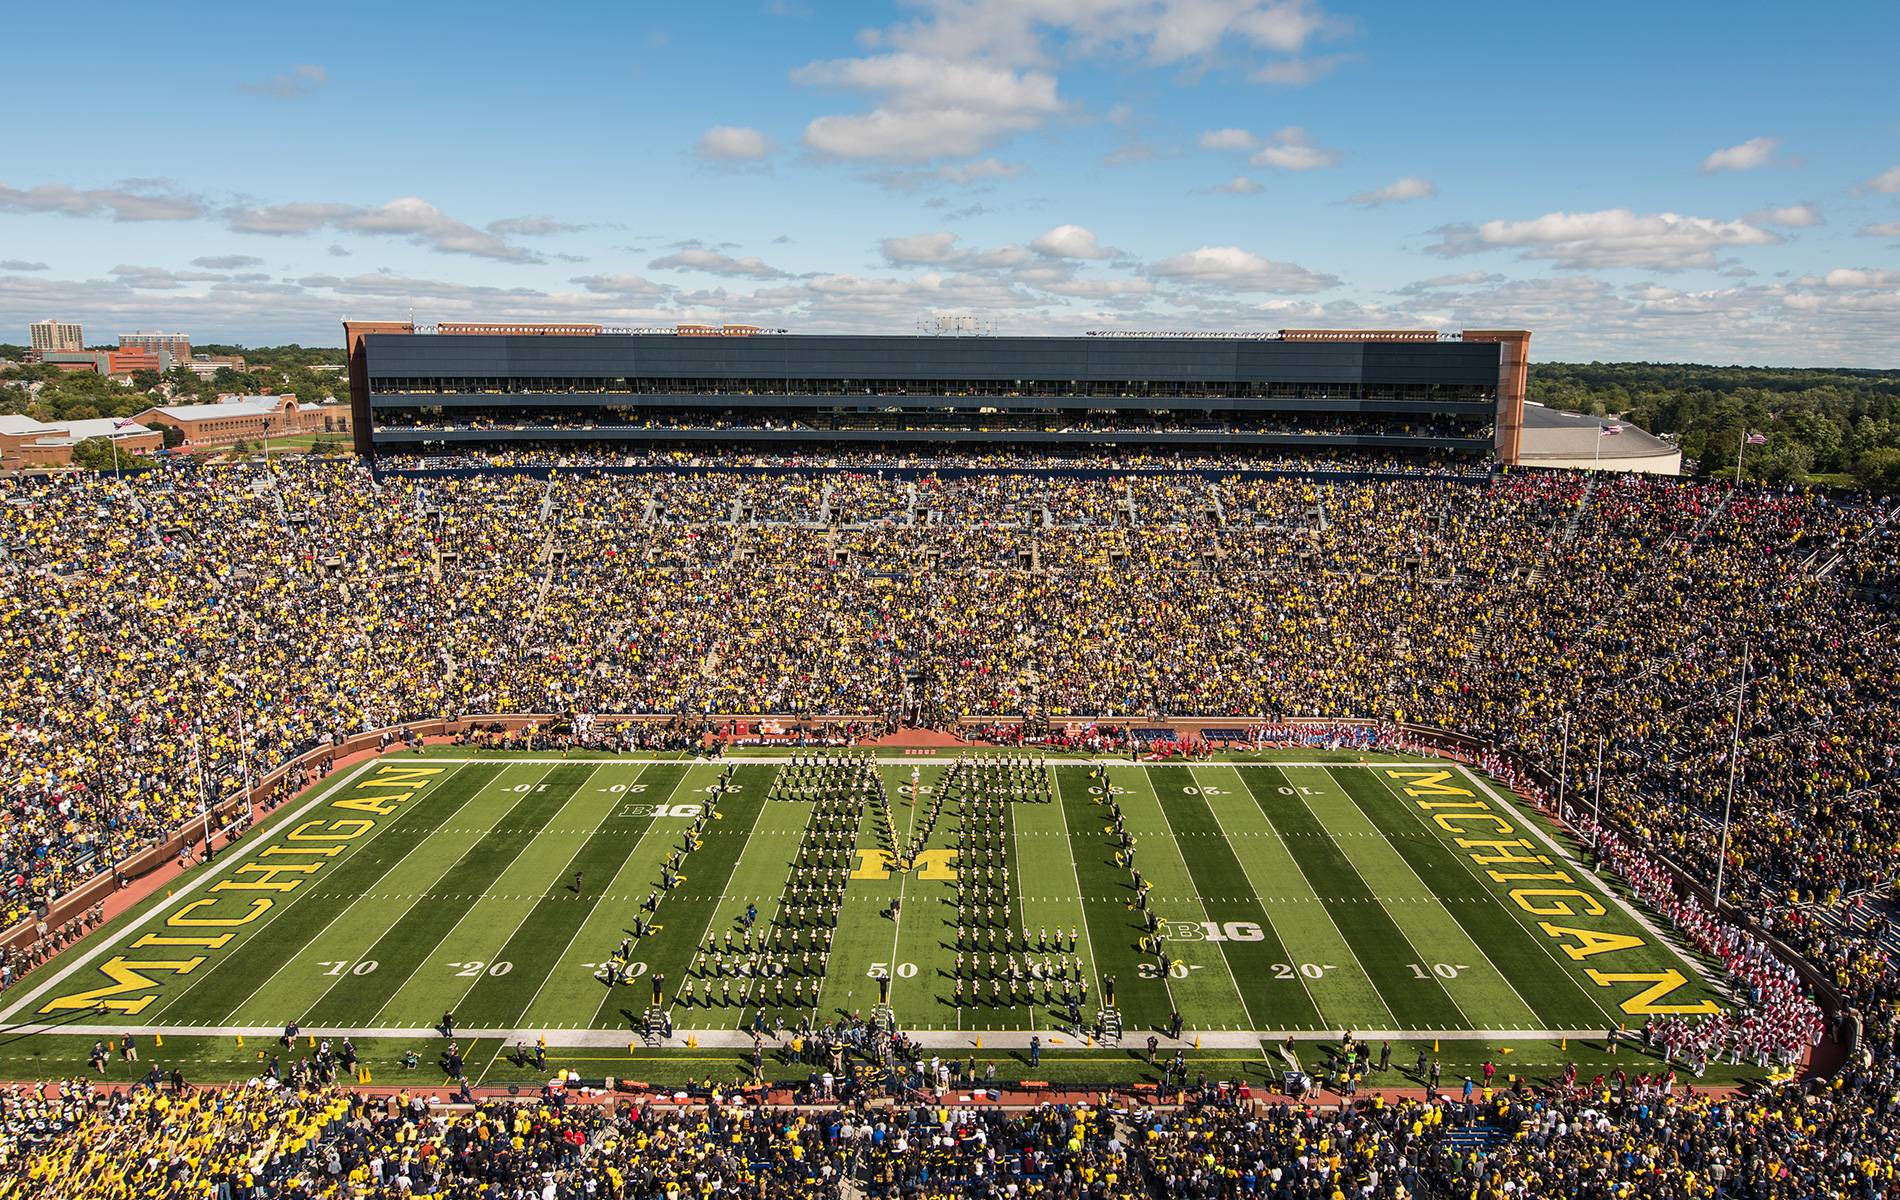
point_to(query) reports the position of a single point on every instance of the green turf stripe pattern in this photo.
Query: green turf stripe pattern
(864, 934)
(1431, 922)
(1345, 996)
(223, 983)
(1203, 987)
(536, 948)
(1380, 946)
(311, 970)
(1273, 998)
(696, 905)
(922, 998)
(570, 995)
(1113, 929)
(1050, 888)
(399, 951)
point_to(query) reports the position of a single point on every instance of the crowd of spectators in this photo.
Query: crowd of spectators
(170, 634)
(1607, 1139)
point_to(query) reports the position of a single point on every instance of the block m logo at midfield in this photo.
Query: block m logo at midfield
(928, 864)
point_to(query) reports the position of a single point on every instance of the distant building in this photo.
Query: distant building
(204, 366)
(113, 363)
(235, 419)
(1576, 442)
(50, 336)
(25, 442)
(179, 344)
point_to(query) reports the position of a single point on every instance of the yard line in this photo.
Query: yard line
(1095, 970)
(1191, 897)
(179, 895)
(343, 909)
(423, 961)
(582, 924)
(903, 877)
(1318, 1009)
(1332, 920)
(712, 909)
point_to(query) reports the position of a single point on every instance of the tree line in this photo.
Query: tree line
(1823, 425)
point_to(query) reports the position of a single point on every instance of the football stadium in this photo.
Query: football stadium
(816, 766)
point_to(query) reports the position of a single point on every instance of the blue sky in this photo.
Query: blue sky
(1690, 182)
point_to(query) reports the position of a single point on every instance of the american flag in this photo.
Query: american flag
(1611, 430)
(123, 422)
(1757, 439)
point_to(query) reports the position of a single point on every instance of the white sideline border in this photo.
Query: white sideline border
(733, 1039)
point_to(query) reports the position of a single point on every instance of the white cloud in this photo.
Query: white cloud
(971, 174)
(1228, 139)
(135, 200)
(20, 264)
(161, 279)
(1791, 216)
(1072, 241)
(294, 84)
(1409, 187)
(1439, 283)
(283, 220)
(1747, 156)
(732, 143)
(531, 227)
(712, 262)
(1239, 185)
(409, 217)
(1239, 270)
(928, 108)
(1854, 279)
(1886, 183)
(1298, 72)
(1291, 149)
(1886, 229)
(942, 249)
(1613, 237)
(621, 285)
(227, 262)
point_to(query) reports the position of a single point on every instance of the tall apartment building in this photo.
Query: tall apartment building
(53, 337)
(179, 344)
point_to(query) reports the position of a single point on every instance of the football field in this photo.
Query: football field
(1303, 893)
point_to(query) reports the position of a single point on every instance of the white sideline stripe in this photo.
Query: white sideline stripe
(1635, 914)
(723, 1038)
(950, 755)
(251, 847)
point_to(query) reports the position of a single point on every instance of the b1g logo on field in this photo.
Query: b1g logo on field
(689, 811)
(1212, 931)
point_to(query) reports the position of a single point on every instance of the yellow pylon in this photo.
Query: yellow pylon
(1197, 1041)
(979, 1041)
(158, 1039)
(630, 1047)
(241, 1043)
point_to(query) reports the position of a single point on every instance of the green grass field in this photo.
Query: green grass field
(1320, 892)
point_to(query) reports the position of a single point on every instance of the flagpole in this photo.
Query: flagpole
(1596, 805)
(1734, 764)
(1563, 769)
(204, 807)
